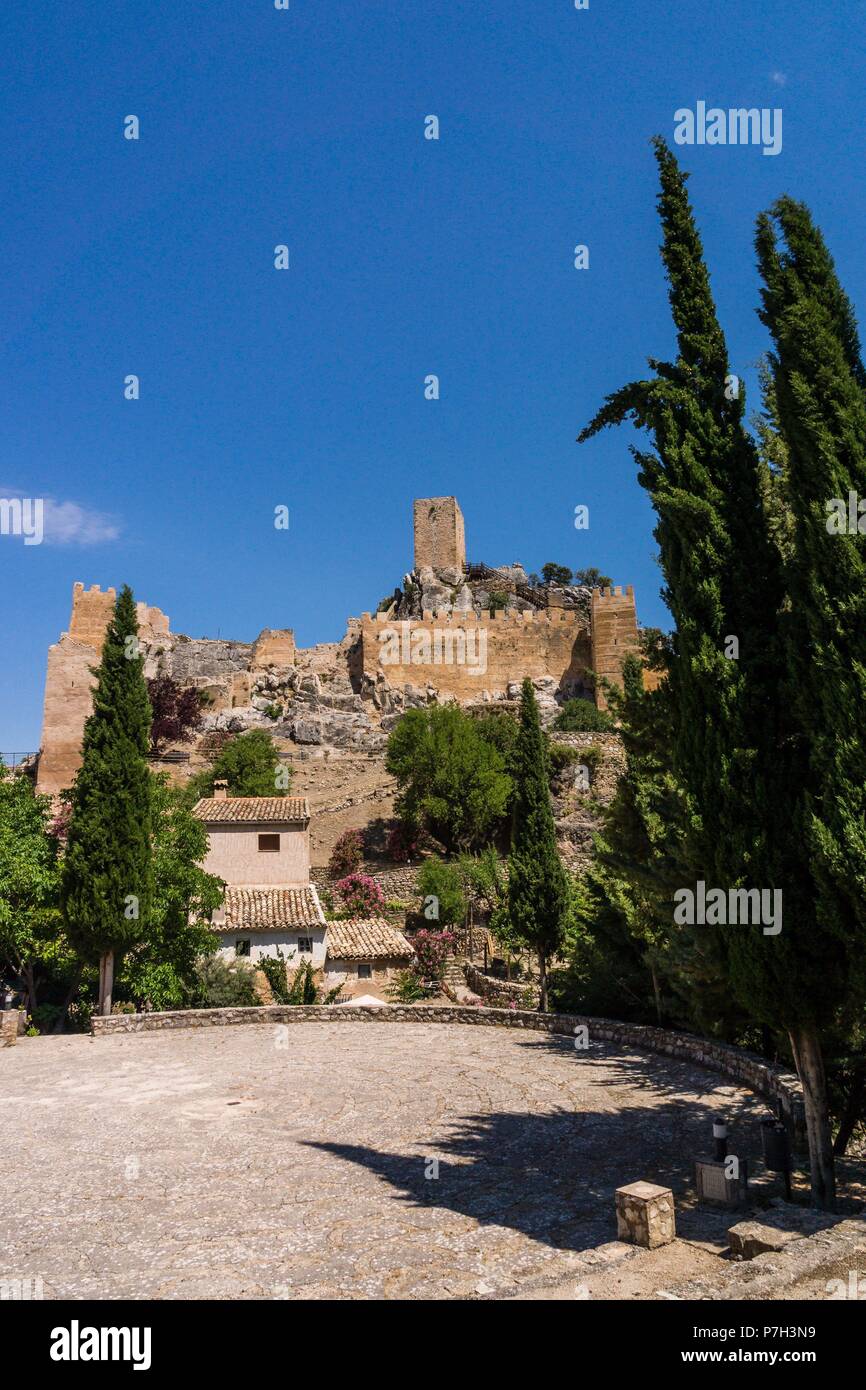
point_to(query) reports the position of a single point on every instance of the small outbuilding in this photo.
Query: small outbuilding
(364, 955)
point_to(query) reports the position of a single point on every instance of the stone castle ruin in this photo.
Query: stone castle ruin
(453, 631)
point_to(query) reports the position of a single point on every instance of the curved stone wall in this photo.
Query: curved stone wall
(781, 1090)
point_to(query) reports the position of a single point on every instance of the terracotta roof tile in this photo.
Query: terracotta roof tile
(368, 939)
(254, 810)
(269, 909)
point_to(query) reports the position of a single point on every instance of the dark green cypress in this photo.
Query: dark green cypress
(819, 379)
(704, 481)
(538, 896)
(737, 747)
(106, 886)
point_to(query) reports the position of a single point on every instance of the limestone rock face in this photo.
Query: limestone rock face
(193, 661)
(464, 601)
(306, 730)
(435, 595)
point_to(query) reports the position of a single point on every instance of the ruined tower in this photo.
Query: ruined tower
(440, 539)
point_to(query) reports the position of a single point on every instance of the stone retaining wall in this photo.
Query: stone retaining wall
(500, 991)
(399, 882)
(781, 1090)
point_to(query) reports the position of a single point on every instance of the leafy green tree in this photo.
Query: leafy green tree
(31, 936)
(451, 779)
(592, 578)
(443, 884)
(538, 897)
(160, 971)
(107, 879)
(250, 763)
(555, 574)
(501, 730)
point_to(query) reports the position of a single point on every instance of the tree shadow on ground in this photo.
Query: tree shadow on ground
(550, 1175)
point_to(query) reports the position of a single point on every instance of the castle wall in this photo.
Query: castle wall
(440, 537)
(69, 680)
(614, 635)
(274, 647)
(462, 654)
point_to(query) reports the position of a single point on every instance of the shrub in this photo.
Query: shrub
(176, 713)
(555, 574)
(46, 1016)
(361, 895)
(223, 984)
(561, 755)
(274, 970)
(582, 716)
(347, 854)
(407, 988)
(592, 578)
(303, 989)
(497, 601)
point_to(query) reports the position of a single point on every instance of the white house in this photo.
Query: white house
(260, 847)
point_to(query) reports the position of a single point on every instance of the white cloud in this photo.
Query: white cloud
(67, 523)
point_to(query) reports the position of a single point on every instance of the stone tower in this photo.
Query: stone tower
(440, 540)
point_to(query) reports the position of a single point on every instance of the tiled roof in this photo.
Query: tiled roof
(254, 810)
(268, 909)
(369, 939)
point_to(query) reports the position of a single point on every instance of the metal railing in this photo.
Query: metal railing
(15, 759)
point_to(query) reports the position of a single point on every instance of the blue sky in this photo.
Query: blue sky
(305, 388)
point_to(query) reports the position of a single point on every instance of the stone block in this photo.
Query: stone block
(9, 1027)
(645, 1214)
(750, 1238)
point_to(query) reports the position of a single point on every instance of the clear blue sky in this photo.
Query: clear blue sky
(408, 257)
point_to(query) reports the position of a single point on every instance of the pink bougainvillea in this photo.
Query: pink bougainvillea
(361, 895)
(432, 949)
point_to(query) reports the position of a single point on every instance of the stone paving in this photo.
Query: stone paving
(251, 1162)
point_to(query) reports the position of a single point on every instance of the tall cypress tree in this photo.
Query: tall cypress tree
(538, 896)
(736, 748)
(106, 885)
(819, 382)
(715, 555)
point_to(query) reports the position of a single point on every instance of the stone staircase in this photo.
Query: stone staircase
(454, 973)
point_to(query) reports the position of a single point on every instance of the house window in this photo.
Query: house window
(269, 844)
(242, 947)
(365, 972)
(305, 945)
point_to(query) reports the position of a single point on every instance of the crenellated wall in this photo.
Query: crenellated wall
(462, 654)
(614, 635)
